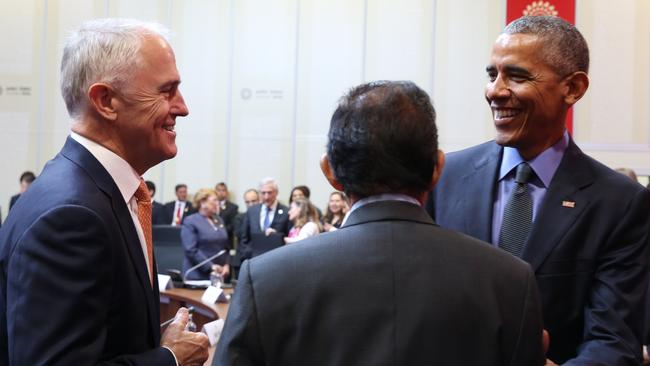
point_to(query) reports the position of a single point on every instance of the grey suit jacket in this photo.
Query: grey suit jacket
(588, 248)
(388, 288)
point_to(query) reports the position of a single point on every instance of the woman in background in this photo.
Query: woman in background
(335, 212)
(203, 235)
(305, 221)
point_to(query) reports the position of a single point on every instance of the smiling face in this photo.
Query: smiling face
(526, 96)
(149, 105)
(336, 203)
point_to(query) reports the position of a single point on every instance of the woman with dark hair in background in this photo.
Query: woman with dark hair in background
(336, 209)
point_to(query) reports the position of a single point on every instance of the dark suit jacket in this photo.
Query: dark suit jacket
(158, 214)
(74, 286)
(169, 211)
(590, 259)
(228, 215)
(253, 240)
(13, 200)
(389, 288)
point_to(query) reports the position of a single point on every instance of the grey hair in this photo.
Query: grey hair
(102, 50)
(565, 49)
(270, 181)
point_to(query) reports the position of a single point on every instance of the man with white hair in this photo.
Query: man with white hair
(265, 224)
(78, 279)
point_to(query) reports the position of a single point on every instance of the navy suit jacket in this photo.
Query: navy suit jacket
(588, 248)
(253, 240)
(74, 286)
(389, 288)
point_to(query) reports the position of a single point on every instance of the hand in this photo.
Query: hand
(646, 358)
(222, 270)
(269, 231)
(546, 340)
(189, 347)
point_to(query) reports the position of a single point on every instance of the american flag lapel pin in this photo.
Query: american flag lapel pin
(569, 204)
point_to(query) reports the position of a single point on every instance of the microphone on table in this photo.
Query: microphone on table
(209, 259)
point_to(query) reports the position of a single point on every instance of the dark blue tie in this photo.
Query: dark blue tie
(267, 218)
(518, 214)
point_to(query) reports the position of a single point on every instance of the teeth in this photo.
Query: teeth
(169, 128)
(505, 113)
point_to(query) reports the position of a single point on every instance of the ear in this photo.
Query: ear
(102, 100)
(440, 164)
(329, 174)
(577, 84)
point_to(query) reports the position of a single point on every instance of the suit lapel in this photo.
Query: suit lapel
(563, 203)
(479, 193)
(77, 153)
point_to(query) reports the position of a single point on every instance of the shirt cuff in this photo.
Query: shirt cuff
(173, 355)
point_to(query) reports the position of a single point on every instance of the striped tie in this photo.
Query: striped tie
(144, 216)
(518, 214)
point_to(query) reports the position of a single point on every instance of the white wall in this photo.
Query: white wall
(262, 77)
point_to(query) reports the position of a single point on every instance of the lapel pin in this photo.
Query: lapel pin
(569, 204)
(280, 212)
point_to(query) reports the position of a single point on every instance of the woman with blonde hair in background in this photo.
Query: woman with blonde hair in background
(304, 217)
(203, 235)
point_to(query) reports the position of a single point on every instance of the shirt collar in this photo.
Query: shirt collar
(380, 197)
(125, 177)
(544, 165)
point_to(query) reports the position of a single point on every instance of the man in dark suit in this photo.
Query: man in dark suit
(177, 210)
(158, 215)
(227, 210)
(266, 224)
(77, 276)
(585, 231)
(25, 180)
(251, 198)
(389, 287)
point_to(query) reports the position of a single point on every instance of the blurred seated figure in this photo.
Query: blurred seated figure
(628, 173)
(251, 197)
(158, 216)
(305, 220)
(336, 209)
(203, 234)
(25, 180)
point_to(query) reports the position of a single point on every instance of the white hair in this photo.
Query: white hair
(102, 50)
(270, 181)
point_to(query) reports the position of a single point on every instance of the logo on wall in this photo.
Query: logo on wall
(540, 8)
(246, 94)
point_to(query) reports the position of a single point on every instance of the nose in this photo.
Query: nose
(179, 108)
(497, 89)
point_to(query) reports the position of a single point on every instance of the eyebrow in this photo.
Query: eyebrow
(172, 83)
(509, 69)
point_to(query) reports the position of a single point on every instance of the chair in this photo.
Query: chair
(168, 249)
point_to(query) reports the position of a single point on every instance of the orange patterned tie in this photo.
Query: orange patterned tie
(144, 216)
